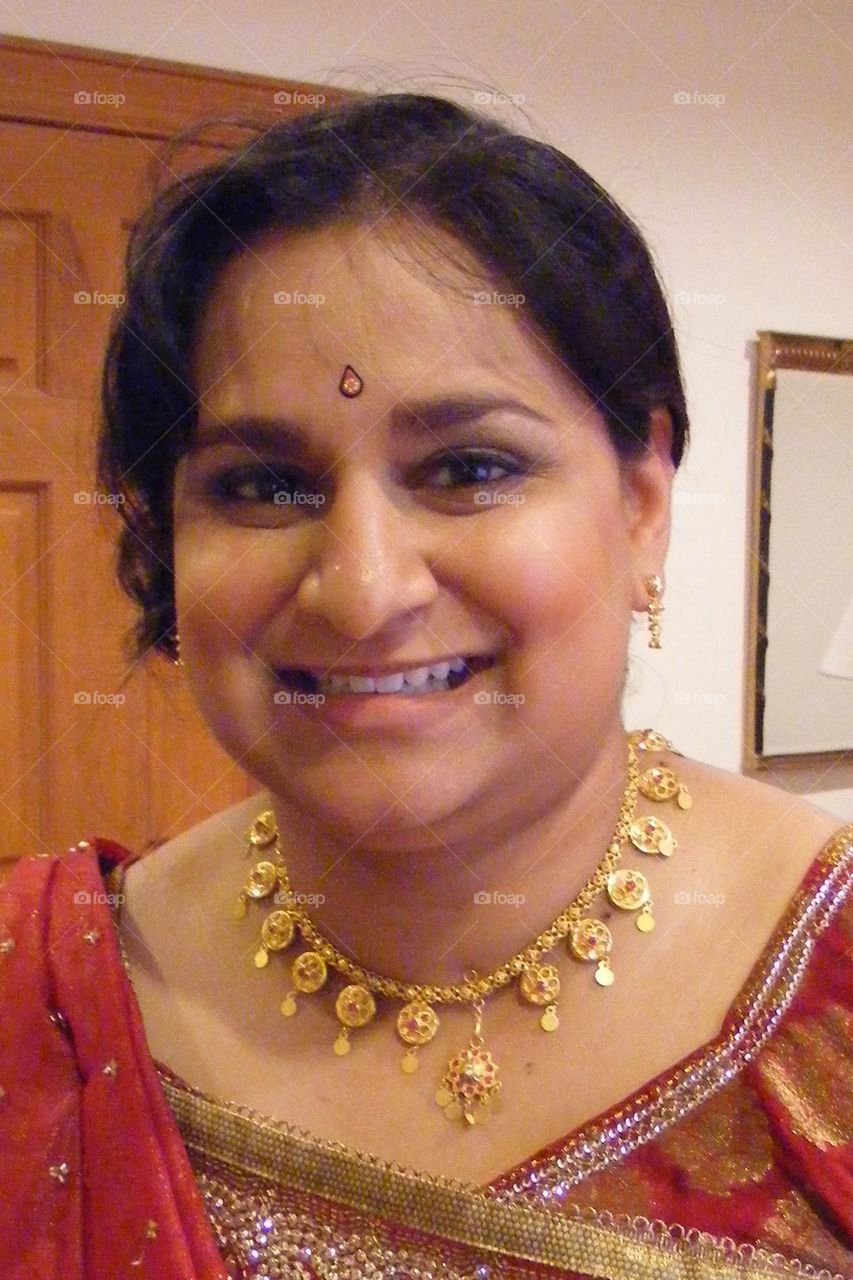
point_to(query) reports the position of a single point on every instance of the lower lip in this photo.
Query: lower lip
(356, 711)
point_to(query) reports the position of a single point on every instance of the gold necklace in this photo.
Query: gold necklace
(470, 1083)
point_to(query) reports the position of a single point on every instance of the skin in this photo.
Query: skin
(401, 563)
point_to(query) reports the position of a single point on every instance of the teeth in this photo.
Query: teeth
(416, 679)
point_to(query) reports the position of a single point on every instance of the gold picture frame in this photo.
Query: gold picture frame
(775, 351)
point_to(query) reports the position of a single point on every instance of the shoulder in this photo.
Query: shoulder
(176, 864)
(749, 848)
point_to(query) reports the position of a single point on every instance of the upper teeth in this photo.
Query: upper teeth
(414, 678)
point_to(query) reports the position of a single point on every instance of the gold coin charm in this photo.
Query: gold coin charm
(604, 975)
(549, 1020)
(650, 835)
(645, 920)
(355, 1007)
(590, 940)
(288, 1005)
(309, 972)
(262, 958)
(409, 1063)
(240, 908)
(540, 983)
(685, 799)
(658, 783)
(627, 890)
(263, 830)
(277, 931)
(263, 879)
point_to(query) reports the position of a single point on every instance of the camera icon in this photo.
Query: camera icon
(482, 898)
(681, 99)
(682, 898)
(282, 696)
(82, 698)
(82, 898)
(82, 98)
(282, 98)
(82, 298)
(282, 299)
(482, 696)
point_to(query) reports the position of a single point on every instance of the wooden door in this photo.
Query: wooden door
(90, 742)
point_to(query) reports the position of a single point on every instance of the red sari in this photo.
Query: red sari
(738, 1161)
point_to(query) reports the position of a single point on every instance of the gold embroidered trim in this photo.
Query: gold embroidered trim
(753, 1017)
(594, 1244)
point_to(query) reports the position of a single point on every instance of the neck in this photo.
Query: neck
(417, 912)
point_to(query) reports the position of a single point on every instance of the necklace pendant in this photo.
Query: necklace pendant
(470, 1084)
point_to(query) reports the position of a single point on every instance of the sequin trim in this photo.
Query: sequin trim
(755, 1015)
(594, 1244)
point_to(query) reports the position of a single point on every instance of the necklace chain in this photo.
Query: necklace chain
(465, 992)
(470, 1084)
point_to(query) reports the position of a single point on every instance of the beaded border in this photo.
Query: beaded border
(756, 1013)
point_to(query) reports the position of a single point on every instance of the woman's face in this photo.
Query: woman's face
(465, 505)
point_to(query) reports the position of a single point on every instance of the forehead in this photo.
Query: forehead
(404, 307)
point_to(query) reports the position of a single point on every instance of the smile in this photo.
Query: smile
(438, 677)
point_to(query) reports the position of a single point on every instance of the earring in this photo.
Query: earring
(654, 586)
(177, 661)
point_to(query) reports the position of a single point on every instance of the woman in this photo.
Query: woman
(395, 406)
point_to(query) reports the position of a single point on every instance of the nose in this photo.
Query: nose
(368, 564)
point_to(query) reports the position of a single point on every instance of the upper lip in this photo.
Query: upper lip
(481, 659)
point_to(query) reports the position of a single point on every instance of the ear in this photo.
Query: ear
(647, 495)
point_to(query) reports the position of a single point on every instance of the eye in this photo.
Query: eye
(471, 467)
(256, 484)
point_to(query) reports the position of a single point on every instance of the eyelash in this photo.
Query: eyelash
(225, 486)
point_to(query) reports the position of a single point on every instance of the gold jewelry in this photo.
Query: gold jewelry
(351, 384)
(654, 586)
(470, 1083)
(177, 661)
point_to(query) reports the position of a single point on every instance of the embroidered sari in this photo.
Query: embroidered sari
(738, 1161)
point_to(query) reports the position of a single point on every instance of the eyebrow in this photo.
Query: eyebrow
(416, 418)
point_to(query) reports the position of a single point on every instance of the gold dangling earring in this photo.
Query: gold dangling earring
(177, 661)
(654, 586)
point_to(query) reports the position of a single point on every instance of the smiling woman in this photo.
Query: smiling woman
(395, 406)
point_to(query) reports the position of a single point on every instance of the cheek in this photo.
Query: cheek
(563, 593)
(223, 584)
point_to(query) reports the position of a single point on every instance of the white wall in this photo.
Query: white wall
(745, 192)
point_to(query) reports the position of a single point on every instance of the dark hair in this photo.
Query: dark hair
(537, 223)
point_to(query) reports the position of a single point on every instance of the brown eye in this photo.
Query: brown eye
(470, 467)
